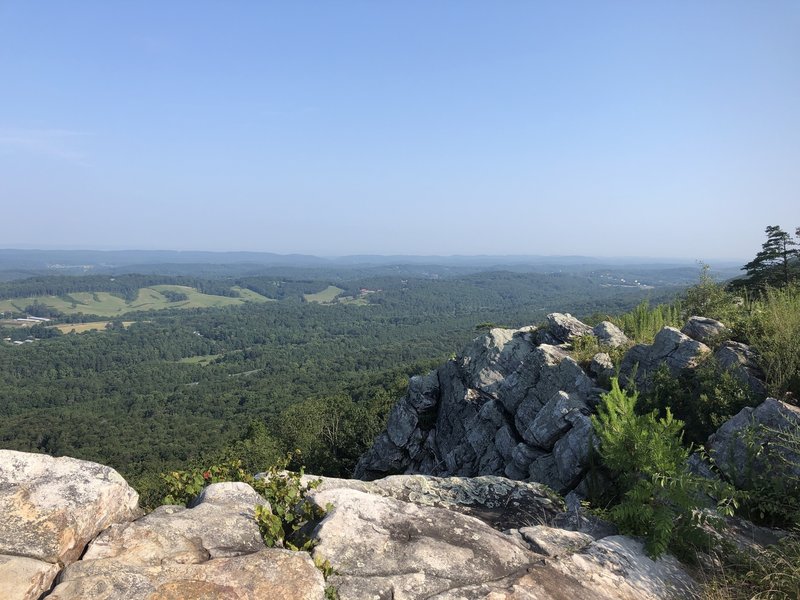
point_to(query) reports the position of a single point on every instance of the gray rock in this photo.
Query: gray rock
(704, 330)
(499, 502)
(609, 334)
(761, 441)
(402, 422)
(50, 508)
(552, 541)
(552, 421)
(564, 327)
(671, 348)
(740, 360)
(571, 452)
(423, 392)
(602, 368)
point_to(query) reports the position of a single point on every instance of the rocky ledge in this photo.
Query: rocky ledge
(71, 530)
(516, 404)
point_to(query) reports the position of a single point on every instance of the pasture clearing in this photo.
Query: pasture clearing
(90, 326)
(105, 304)
(326, 296)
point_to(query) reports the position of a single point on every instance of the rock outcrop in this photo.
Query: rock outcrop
(509, 406)
(670, 348)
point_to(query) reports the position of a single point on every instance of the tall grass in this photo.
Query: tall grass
(643, 322)
(773, 329)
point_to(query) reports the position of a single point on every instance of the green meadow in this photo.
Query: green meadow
(105, 304)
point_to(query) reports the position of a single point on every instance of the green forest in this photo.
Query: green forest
(179, 386)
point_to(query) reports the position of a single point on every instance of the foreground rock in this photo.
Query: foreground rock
(213, 550)
(499, 502)
(50, 508)
(759, 442)
(403, 537)
(269, 573)
(410, 551)
(25, 578)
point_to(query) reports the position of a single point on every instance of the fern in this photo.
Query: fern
(657, 496)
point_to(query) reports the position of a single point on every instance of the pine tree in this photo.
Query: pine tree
(774, 264)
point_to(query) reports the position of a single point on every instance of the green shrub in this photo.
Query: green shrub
(656, 496)
(282, 522)
(707, 298)
(703, 398)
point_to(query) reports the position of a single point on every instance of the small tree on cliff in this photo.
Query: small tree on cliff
(775, 264)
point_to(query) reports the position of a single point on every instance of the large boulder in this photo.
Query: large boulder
(269, 573)
(608, 334)
(23, 578)
(408, 550)
(760, 441)
(742, 361)
(704, 330)
(563, 327)
(221, 524)
(212, 550)
(670, 348)
(413, 551)
(470, 416)
(619, 567)
(50, 508)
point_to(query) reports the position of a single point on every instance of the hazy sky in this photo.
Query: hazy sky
(600, 128)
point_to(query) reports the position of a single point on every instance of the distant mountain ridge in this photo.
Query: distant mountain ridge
(107, 259)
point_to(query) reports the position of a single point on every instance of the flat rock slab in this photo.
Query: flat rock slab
(501, 503)
(379, 546)
(24, 578)
(617, 567)
(268, 574)
(50, 508)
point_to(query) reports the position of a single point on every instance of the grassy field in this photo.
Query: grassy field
(326, 296)
(200, 360)
(84, 327)
(106, 305)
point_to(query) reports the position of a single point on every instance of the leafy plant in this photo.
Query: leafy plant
(657, 496)
(708, 298)
(287, 511)
(703, 398)
(281, 522)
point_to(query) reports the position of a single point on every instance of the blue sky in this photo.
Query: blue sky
(597, 128)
